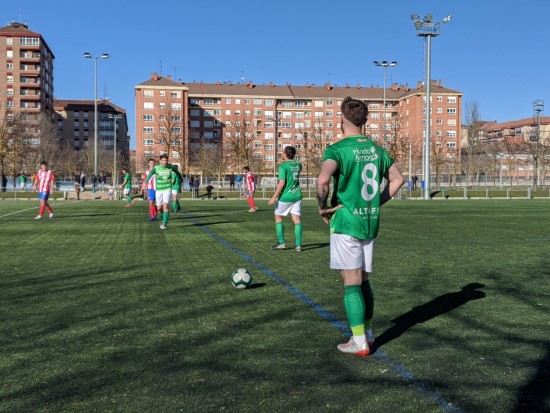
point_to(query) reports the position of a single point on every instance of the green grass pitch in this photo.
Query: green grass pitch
(101, 311)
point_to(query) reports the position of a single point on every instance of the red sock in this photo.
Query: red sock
(49, 208)
(152, 211)
(41, 211)
(251, 203)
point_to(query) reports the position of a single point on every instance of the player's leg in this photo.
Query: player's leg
(164, 199)
(346, 255)
(280, 231)
(295, 214)
(41, 196)
(366, 288)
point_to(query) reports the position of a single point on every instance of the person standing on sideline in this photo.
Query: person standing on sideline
(44, 181)
(82, 181)
(150, 187)
(23, 182)
(239, 181)
(359, 166)
(127, 187)
(164, 176)
(250, 188)
(232, 182)
(290, 199)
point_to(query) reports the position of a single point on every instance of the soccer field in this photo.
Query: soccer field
(101, 311)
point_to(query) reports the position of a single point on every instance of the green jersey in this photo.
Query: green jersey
(289, 171)
(176, 184)
(164, 177)
(362, 166)
(128, 180)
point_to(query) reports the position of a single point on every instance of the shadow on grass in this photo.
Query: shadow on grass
(533, 395)
(422, 313)
(306, 247)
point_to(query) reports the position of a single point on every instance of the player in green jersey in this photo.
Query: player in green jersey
(127, 187)
(164, 176)
(358, 166)
(290, 199)
(176, 188)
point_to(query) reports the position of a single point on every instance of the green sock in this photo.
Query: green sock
(129, 199)
(355, 309)
(175, 206)
(298, 234)
(368, 297)
(280, 228)
(165, 218)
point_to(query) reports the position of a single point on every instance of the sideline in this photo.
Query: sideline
(399, 369)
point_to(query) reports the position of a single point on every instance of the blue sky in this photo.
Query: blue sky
(492, 51)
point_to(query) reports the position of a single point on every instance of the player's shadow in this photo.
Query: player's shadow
(438, 306)
(256, 285)
(306, 247)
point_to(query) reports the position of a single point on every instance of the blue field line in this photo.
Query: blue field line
(396, 367)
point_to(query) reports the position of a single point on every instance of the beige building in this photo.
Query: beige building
(271, 116)
(26, 77)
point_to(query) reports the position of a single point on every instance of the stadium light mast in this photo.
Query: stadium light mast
(427, 28)
(89, 56)
(538, 107)
(385, 64)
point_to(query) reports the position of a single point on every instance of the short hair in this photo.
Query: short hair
(355, 111)
(150, 159)
(290, 152)
(44, 163)
(246, 168)
(163, 156)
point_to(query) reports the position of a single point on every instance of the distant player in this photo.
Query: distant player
(127, 187)
(250, 188)
(176, 188)
(359, 167)
(44, 181)
(150, 188)
(290, 199)
(164, 176)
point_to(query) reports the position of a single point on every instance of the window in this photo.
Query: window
(162, 93)
(175, 118)
(328, 103)
(451, 111)
(237, 101)
(257, 144)
(9, 54)
(175, 106)
(439, 99)
(247, 101)
(286, 103)
(451, 122)
(148, 105)
(318, 103)
(228, 101)
(451, 99)
(257, 112)
(195, 112)
(257, 101)
(318, 114)
(148, 130)
(148, 93)
(194, 102)
(329, 113)
(451, 134)
(195, 124)
(451, 144)
(9, 41)
(9, 92)
(9, 79)
(29, 41)
(268, 135)
(439, 110)
(9, 66)
(268, 102)
(175, 95)
(287, 115)
(162, 105)
(439, 121)
(148, 142)
(148, 118)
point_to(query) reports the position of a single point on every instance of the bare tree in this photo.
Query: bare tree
(471, 152)
(239, 138)
(170, 134)
(10, 141)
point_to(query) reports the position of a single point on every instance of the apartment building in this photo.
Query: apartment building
(75, 125)
(272, 116)
(26, 77)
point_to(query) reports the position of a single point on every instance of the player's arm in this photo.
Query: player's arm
(52, 183)
(395, 181)
(278, 191)
(328, 168)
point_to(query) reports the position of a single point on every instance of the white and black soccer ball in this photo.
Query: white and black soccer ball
(241, 278)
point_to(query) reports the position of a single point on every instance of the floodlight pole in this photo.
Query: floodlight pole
(428, 29)
(89, 56)
(538, 107)
(115, 175)
(385, 64)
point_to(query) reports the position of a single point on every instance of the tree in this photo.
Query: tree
(170, 134)
(210, 159)
(10, 137)
(473, 123)
(239, 138)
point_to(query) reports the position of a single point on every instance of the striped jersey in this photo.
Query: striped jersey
(249, 182)
(152, 182)
(164, 177)
(45, 180)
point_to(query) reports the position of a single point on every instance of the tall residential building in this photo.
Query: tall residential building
(26, 77)
(75, 125)
(270, 117)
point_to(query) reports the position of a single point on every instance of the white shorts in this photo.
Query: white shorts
(127, 191)
(163, 197)
(174, 192)
(348, 253)
(284, 208)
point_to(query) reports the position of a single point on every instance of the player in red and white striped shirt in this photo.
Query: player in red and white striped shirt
(45, 183)
(250, 188)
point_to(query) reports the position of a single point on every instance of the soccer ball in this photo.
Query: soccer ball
(241, 278)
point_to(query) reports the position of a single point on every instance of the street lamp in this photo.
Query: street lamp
(538, 107)
(385, 64)
(96, 58)
(428, 29)
(115, 175)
